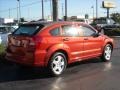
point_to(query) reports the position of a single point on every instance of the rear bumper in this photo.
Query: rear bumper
(30, 59)
(19, 59)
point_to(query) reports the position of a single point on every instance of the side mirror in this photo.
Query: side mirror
(98, 29)
(96, 34)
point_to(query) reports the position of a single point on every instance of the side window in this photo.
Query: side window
(81, 34)
(88, 31)
(55, 32)
(70, 31)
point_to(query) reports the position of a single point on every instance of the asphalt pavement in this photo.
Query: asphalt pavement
(87, 75)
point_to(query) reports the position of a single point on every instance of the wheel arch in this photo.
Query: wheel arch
(57, 50)
(51, 59)
(64, 52)
(108, 41)
(110, 44)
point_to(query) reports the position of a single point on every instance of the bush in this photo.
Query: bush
(2, 51)
(2, 48)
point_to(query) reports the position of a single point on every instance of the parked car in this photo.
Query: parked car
(4, 32)
(15, 26)
(87, 21)
(56, 44)
(105, 24)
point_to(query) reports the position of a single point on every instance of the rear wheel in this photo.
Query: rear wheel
(106, 56)
(57, 64)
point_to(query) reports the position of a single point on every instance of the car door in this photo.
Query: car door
(92, 44)
(72, 41)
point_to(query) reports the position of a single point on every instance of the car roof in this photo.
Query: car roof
(37, 23)
(44, 23)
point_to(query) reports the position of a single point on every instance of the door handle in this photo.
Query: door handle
(85, 38)
(66, 39)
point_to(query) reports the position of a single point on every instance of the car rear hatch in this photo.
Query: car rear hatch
(22, 42)
(19, 45)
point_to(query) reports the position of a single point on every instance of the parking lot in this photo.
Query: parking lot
(87, 75)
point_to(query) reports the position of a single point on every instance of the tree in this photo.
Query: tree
(116, 17)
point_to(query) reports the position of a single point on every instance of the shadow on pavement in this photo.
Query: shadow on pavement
(12, 72)
(94, 60)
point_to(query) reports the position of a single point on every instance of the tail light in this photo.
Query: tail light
(34, 42)
(31, 45)
(9, 40)
(31, 42)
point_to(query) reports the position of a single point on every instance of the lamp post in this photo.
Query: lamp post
(51, 10)
(65, 10)
(96, 8)
(19, 10)
(93, 11)
(108, 12)
(42, 10)
(62, 10)
(9, 12)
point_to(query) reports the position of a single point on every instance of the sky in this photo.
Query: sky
(31, 9)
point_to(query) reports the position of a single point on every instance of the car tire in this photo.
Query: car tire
(57, 64)
(107, 52)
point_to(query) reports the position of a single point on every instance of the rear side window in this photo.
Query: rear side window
(27, 30)
(55, 32)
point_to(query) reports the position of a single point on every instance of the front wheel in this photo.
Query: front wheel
(57, 64)
(106, 56)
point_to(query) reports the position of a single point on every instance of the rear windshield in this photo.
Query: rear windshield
(28, 30)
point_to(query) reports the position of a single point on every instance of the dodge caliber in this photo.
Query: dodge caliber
(56, 44)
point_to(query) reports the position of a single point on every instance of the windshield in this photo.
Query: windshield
(27, 30)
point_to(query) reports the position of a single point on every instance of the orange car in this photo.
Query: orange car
(56, 44)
